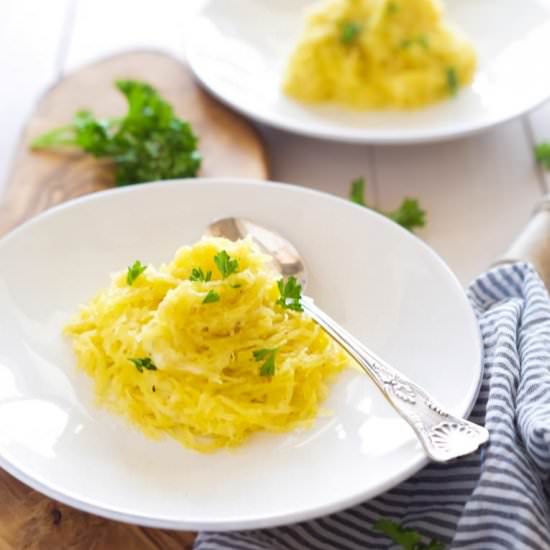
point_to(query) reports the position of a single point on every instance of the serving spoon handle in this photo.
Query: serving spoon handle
(442, 435)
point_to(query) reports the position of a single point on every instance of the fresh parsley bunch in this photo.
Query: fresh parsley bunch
(149, 143)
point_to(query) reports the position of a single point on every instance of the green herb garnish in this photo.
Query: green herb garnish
(542, 154)
(268, 366)
(452, 80)
(420, 40)
(291, 294)
(408, 539)
(143, 363)
(225, 264)
(392, 8)
(357, 191)
(409, 215)
(197, 274)
(211, 297)
(134, 271)
(149, 143)
(350, 31)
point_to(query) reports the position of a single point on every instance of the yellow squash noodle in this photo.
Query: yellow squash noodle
(208, 390)
(377, 54)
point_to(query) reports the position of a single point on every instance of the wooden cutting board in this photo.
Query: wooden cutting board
(230, 147)
(39, 180)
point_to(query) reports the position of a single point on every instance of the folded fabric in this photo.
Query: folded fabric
(496, 498)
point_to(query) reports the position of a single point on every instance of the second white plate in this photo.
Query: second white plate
(238, 49)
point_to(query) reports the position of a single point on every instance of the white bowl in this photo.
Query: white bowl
(382, 283)
(239, 48)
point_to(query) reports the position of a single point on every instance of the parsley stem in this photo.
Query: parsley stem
(58, 137)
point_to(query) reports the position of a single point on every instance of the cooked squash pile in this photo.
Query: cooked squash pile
(206, 349)
(379, 54)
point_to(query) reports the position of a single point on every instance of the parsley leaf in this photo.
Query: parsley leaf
(143, 363)
(357, 192)
(350, 31)
(211, 297)
(197, 274)
(149, 143)
(268, 367)
(225, 264)
(420, 40)
(392, 8)
(542, 154)
(134, 271)
(409, 215)
(408, 539)
(290, 294)
(452, 80)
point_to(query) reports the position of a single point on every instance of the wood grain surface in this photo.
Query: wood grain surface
(230, 147)
(39, 180)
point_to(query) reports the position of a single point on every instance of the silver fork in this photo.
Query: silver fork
(443, 435)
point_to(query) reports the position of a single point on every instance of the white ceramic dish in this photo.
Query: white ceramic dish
(379, 281)
(239, 48)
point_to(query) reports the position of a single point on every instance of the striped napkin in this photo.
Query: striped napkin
(494, 499)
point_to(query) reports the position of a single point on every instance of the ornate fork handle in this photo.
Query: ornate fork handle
(443, 435)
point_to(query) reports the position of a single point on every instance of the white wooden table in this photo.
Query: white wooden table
(478, 191)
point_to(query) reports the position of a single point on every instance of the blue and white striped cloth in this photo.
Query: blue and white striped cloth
(494, 499)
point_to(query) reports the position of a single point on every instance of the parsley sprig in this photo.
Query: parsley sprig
(290, 294)
(357, 192)
(197, 274)
(134, 271)
(542, 154)
(350, 31)
(143, 363)
(453, 81)
(149, 143)
(225, 264)
(392, 8)
(409, 215)
(268, 357)
(408, 539)
(211, 297)
(420, 40)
